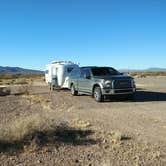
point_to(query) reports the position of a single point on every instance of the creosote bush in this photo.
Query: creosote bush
(145, 74)
(17, 130)
(16, 76)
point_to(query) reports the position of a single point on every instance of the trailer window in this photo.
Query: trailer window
(69, 70)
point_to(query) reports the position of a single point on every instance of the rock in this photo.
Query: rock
(76, 161)
(4, 91)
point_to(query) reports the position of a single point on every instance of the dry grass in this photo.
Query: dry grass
(16, 76)
(19, 79)
(114, 137)
(145, 74)
(81, 124)
(44, 102)
(118, 136)
(41, 129)
(23, 90)
(17, 130)
(38, 131)
(37, 122)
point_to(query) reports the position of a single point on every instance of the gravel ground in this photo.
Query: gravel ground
(115, 132)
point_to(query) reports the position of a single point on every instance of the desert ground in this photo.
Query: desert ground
(43, 127)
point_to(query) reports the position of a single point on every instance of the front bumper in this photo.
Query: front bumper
(108, 91)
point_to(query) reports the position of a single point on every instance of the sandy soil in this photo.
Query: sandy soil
(115, 132)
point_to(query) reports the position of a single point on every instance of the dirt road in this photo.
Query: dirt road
(124, 132)
(145, 116)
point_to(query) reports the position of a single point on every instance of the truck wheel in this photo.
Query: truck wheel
(98, 95)
(73, 91)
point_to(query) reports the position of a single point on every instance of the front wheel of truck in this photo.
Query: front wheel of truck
(73, 91)
(98, 94)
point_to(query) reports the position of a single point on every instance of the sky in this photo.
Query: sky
(125, 34)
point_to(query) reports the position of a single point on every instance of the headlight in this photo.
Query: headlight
(108, 84)
(133, 83)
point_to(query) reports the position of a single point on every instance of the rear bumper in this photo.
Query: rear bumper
(118, 91)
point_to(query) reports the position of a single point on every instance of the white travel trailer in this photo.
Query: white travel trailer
(57, 73)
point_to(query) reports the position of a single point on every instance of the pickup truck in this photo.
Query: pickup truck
(100, 82)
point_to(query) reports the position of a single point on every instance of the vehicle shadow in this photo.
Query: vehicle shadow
(149, 96)
(62, 135)
(140, 96)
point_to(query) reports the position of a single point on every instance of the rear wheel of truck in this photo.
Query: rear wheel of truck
(97, 94)
(73, 91)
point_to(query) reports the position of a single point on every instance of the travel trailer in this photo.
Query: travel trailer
(56, 74)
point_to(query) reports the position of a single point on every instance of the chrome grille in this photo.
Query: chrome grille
(122, 84)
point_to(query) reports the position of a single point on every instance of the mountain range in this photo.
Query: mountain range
(18, 70)
(152, 69)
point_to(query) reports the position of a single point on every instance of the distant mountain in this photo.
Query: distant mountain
(18, 70)
(156, 69)
(152, 69)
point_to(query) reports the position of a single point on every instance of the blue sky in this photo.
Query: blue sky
(118, 33)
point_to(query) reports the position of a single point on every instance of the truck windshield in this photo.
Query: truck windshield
(104, 71)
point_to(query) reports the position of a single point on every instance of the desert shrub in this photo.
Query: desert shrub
(16, 76)
(20, 81)
(18, 129)
(21, 90)
(145, 74)
(41, 129)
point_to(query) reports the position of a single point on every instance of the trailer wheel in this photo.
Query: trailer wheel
(73, 91)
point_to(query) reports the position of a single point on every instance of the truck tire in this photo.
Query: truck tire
(73, 91)
(97, 94)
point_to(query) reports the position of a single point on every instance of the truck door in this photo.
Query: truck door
(85, 82)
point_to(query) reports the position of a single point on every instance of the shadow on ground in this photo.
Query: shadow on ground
(62, 135)
(147, 96)
(140, 96)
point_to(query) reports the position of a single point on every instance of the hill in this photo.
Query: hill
(152, 69)
(156, 69)
(18, 70)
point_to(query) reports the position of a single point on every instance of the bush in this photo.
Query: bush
(145, 74)
(16, 76)
(17, 130)
(20, 81)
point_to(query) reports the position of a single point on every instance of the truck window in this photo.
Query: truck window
(104, 71)
(85, 73)
(75, 72)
